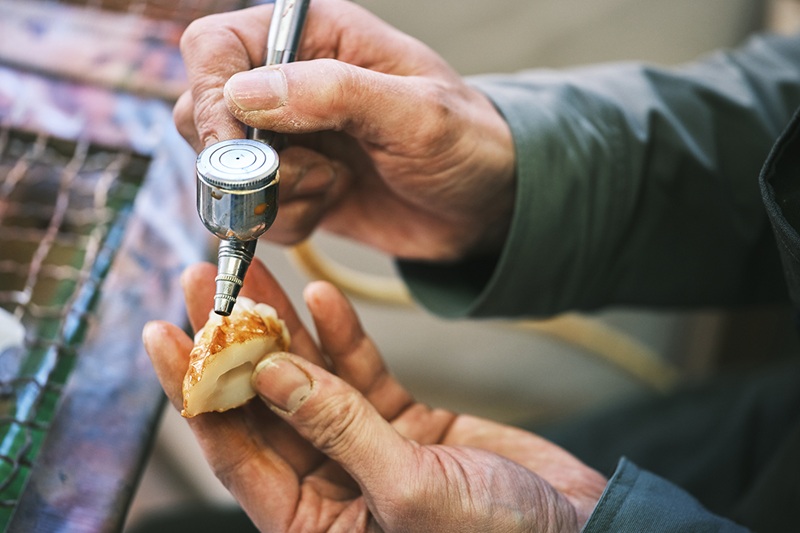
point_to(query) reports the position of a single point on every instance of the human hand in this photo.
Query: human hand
(338, 444)
(389, 146)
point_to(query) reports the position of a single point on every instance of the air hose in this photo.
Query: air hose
(590, 335)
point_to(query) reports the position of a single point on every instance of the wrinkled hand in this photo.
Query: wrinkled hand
(337, 444)
(390, 146)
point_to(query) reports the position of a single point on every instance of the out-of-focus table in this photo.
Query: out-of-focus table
(97, 220)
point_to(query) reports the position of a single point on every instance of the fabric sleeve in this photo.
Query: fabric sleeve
(636, 185)
(780, 188)
(636, 500)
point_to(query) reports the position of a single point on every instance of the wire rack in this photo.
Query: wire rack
(91, 171)
(63, 205)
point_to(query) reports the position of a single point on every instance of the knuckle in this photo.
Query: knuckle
(228, 468)
(438, 110)
(209, 108)
(197, 31)
(208, 100)
(344, 85)
(336, 422)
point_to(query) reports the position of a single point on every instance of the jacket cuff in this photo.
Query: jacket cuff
(780, 190)
(636, 500)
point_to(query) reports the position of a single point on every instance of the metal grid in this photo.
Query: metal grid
(63, 205)
(79, 401)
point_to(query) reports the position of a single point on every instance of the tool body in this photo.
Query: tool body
(237, 180)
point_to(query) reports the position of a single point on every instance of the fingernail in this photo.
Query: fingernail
(281, 383)
(259, 89)
(147, 330)
(315, 180)
(151, 335)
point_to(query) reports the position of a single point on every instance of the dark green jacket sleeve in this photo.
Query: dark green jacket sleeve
(635, 501)
(636, 185)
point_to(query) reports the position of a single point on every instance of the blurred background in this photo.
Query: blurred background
(495, 369)
(492, 368)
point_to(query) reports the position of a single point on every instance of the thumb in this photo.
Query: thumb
(326, 94)
(334, 417)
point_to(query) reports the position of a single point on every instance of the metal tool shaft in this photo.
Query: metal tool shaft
(235, 254)
(283, 40)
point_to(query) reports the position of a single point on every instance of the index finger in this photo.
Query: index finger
(213, 49)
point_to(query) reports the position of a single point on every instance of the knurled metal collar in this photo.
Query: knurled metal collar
(238, 165)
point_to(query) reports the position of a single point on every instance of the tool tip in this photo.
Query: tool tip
(233, 259)
(223, 306)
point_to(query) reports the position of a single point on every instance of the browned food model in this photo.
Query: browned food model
(226, 350)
